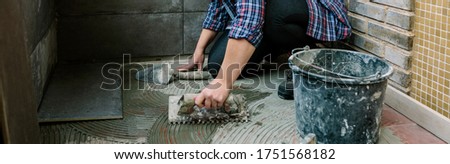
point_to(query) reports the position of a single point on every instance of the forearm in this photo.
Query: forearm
(237, 54)
(206, 37)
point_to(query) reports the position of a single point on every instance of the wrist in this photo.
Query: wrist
(223, 83)
(199, 50)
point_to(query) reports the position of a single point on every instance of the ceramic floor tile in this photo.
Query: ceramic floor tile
(391, 117)
(414, 134)
(388, 137)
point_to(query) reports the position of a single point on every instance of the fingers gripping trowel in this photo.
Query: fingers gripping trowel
(182, 110)
(162, 74)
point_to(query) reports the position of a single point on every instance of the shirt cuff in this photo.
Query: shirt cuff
(218, 26)
(254, 36)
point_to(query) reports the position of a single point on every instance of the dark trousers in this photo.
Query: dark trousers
(284, 29)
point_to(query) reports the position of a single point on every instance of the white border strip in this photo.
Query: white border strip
(424, 116)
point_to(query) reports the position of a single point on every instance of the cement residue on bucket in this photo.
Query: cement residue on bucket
(339, 94)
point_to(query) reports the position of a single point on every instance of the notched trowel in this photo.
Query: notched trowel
(182, 110)
(162, 74)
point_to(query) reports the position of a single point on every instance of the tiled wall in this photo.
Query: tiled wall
(105, 29)
(41, 43)
(385, 28)
(413, 35)
(431, 61)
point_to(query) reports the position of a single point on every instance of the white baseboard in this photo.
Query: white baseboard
(424, 116)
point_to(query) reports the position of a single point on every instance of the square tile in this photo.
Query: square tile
(414, 134)
(391, 117)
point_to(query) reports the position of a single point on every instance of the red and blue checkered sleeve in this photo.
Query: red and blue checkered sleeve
(249, 21)
(216, 17)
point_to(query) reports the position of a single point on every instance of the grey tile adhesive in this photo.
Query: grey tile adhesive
(145, 120)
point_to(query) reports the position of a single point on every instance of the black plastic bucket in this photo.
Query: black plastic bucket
(339, 94)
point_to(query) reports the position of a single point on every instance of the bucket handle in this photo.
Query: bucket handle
(306, 48)
(295, 50)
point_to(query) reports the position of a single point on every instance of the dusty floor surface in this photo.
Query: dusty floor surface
(145, 117)
(272, 120)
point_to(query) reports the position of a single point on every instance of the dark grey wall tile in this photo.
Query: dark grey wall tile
(93, 7)
(43, 59)
(109, 36)
(195, 5)
(38, 17)
(192, 28)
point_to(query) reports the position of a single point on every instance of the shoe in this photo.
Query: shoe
(286, 88)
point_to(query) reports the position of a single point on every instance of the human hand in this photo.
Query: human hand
(197, 60)
(213, 96)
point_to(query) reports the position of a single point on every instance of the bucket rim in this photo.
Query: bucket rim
(371, 80)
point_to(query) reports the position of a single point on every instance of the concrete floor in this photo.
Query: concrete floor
(272, 119)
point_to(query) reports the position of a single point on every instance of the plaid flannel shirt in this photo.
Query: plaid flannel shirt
(247, 24)
(327, 19)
